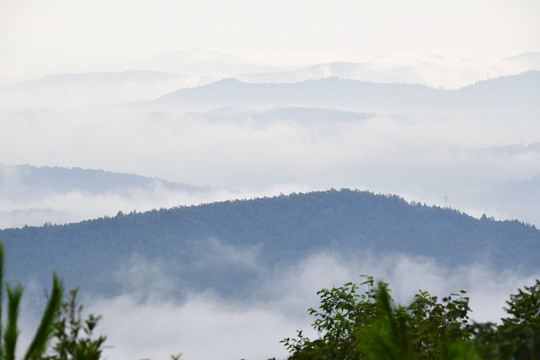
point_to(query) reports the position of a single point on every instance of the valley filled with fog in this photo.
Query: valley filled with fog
(146, 320)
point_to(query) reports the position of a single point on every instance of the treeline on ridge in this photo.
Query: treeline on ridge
(282, 229)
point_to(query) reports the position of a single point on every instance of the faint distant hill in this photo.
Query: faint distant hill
(97, 88)
(432, 70)
(230, 246)
(520, 92)
(349, 95)
(146, 79)
(195, 61)
(529, 59)
(26, 180)
(300, 115)
(489, 96)
(32, 195)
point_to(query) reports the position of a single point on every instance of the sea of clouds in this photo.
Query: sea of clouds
(148, 321)
(462, 162)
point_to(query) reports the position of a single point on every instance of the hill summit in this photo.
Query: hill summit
(228, 246)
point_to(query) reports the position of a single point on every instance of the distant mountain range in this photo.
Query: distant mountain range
(491, 96)
(146, 79)
(20, 181)
(481, 173)
(431, 70)
(229, 246)
(185, 92)
(311, 110)
(90, 89)
(34, 195)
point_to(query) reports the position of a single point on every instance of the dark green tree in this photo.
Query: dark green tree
(426, 329)
(341, 312)
(370, 326)
(517, 336)
(74, 335)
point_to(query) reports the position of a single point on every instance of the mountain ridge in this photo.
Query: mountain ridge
(275, 232)
(354, 95)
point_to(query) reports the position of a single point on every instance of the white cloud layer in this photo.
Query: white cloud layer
(466, 159)
(204, 326)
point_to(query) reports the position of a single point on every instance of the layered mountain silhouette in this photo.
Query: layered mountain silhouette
(489, 96)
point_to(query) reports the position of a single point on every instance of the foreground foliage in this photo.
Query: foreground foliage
(61, 322)
(351, 324)
(9, 337)
(369, 325)
(73, 335)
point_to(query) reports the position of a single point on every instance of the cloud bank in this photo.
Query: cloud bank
(464, 162)
(205, 326)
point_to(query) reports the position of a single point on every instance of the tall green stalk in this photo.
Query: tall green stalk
(12, 332)
(46, 327)
(8, 339)
(387, 336)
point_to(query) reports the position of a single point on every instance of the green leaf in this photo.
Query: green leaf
(46, 327)
(12, 332)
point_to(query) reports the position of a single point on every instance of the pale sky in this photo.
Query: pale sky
(66, 35)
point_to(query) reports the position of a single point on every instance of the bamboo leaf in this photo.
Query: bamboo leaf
(46, 327)
(12, 332)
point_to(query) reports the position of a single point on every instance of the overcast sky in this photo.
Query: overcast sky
(67, 35)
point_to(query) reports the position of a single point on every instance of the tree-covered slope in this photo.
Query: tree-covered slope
(229, 245)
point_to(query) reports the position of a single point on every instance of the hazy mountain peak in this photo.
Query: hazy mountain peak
(432, 70)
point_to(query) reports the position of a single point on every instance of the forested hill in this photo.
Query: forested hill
(216, 245)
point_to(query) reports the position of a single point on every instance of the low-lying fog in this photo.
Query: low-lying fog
(146, 322)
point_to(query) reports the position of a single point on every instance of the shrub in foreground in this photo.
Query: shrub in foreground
(370, 325)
